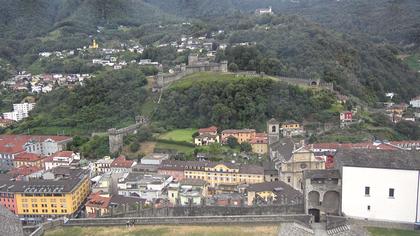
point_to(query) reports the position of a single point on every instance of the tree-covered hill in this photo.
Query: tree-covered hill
(231, 102)
(112, 99)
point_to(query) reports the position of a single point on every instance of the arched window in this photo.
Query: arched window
(273, 128)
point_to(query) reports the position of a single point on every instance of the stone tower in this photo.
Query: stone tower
(273, 130)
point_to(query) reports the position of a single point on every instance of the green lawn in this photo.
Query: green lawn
(178, 147)
(235, 230)
(391, 232)
(207, 76)
(413, 62)
(181, 135)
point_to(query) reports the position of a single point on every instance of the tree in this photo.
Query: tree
(134, 147)
(245, 147)
(232, 142)
(233, 67)
(195, 134)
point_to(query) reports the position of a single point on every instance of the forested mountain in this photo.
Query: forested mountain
(398, 21)
(292, 46)
(22, 18)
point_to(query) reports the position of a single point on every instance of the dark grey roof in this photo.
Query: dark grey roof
(279, 187)
(321, 174)
(119, 199)
(63, 184)
(9, 223)
(409, 160)
(284, 147)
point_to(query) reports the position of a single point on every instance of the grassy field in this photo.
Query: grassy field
(182, 135)
(207, 76)
(413, 62)
(391, 232)
(177, 147)
(260, 230)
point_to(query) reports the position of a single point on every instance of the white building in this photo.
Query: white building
(103, 165)
(154, 158)
(62, 158)
(263, 11)
(415, 102)
(20, 111)
(380, 185)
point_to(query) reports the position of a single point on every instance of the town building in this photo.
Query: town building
(380, 185)
(270, 171)
(4, 123)
(26, 172)
(97, 205)
(259, 144)
(415, 102)
(292, 128)
(149, 187)
(262, 11)
(216, 174)
(62, 158)
(154, 158)
(276, 192)
(346, 117)
(60, 192)
(188, 192)
(122, 165)
(20, 111)
(12, 145)
(241, 135)
(103, 165)
(291, 171)
(207, 136)
(28, 159)
(322, 193)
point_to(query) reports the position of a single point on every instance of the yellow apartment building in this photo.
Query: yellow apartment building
(60, 196)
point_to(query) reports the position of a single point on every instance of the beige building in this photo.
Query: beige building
(291, 171)
(217, 174)
(259, 144)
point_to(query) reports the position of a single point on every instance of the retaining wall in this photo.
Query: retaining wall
(190, 220)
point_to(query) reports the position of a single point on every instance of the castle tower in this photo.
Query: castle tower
(273, 130)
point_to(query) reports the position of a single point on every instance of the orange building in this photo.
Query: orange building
(28, 159)
(242, 135)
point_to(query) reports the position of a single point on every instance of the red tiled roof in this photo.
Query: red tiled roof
(260, 138)
(23, 171)
(235, 131)
(95, 200)
(63, 154)
(13, 144)
(210, 129)
(26, 156)
(122, 162)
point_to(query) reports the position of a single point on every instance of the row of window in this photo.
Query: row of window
(391, 192)
(43, 200)
(44, 211)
